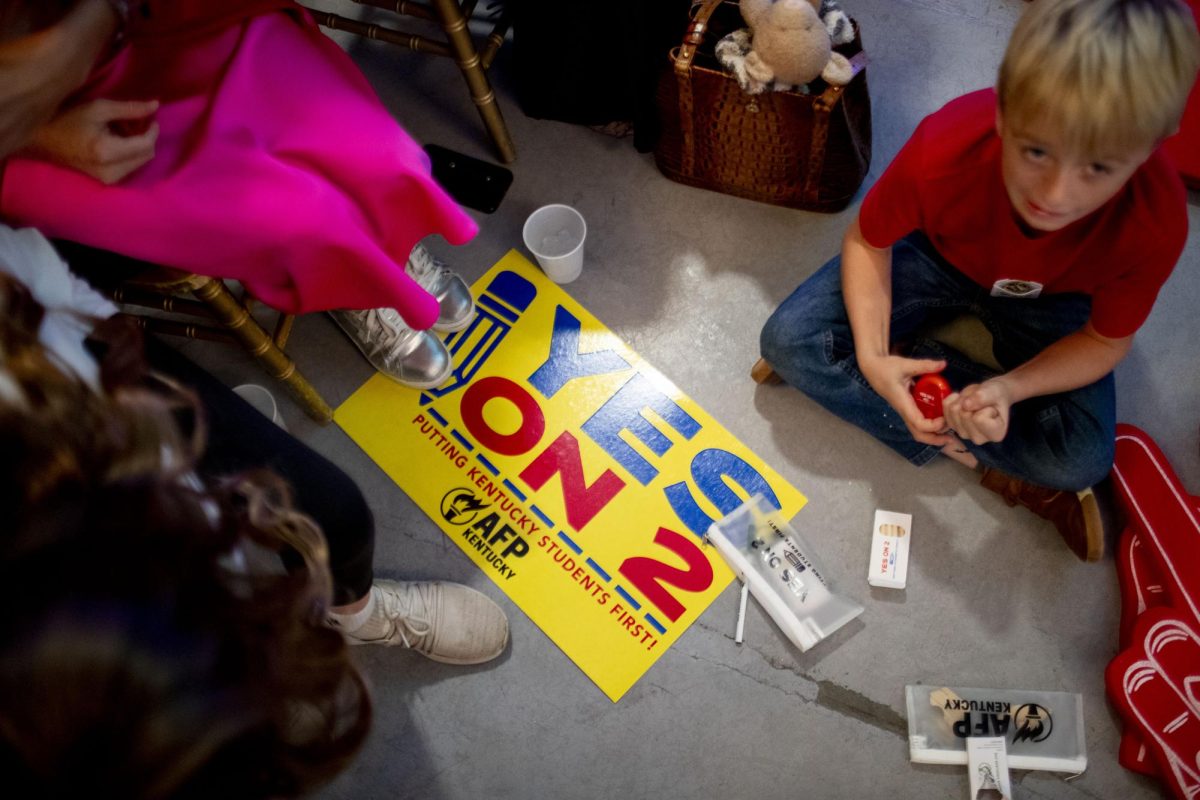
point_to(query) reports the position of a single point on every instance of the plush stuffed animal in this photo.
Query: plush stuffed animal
(837, 22)
(790, 44)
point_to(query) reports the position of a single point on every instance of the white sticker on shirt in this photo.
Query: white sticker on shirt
(1010, 287)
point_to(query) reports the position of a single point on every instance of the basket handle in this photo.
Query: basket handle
(828, 98)
(694, 37)
(682, 59)
(822, 107)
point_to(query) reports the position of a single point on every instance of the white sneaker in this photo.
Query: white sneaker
(446, 622)
(413, 358)
(456, 304)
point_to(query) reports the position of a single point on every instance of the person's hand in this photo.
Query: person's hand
(85, 138)
(892, 378)
(980, 413)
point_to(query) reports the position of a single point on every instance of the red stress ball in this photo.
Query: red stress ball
(929, 391)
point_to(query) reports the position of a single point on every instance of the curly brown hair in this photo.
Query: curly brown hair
(154, 646)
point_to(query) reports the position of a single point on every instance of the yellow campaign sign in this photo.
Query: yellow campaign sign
(576, 476)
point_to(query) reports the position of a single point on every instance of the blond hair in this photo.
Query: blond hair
(1108, 75)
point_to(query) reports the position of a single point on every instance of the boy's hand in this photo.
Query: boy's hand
(85, 138)
(980, 413)
(892, 378)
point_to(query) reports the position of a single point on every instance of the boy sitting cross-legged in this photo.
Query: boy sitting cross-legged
(1046, 209)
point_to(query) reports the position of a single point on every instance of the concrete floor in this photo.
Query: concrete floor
(994, 599)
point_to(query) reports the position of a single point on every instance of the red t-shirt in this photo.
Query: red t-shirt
(947, 183)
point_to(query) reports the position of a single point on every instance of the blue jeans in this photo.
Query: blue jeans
(1062, 441)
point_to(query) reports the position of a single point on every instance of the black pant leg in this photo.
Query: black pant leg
(240, 438)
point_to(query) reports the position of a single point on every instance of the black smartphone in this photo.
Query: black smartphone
(471, 182)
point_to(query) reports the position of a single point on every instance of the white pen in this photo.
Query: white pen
(741, 623)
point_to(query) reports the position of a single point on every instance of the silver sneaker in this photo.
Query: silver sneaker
(446, 622)
(456, 304)
(413, 358)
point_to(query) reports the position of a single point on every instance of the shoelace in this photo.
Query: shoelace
(384, 326)
(399, 609)
(423, 268)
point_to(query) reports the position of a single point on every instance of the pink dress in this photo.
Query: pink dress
(276, 165)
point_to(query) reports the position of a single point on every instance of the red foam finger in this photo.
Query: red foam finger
(1164, 514)
(1174, 649)
(1164, 724)
(1141, 589)
(1140, 581)
(1151, 683)
(1134, 755)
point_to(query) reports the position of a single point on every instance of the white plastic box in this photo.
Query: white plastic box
(769, 556)
(890, 541)
(1042, 730)
(987, 768)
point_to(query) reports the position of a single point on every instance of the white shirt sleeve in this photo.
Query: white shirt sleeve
(70, 303)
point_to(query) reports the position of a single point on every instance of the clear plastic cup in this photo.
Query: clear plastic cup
(555, 234)
(263, 401)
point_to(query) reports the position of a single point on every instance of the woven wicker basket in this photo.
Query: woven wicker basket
(806, 151)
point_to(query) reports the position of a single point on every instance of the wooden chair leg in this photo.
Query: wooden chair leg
(170, 327)
(283, 329)
(451, 17)
(764, 373)
(495, 39)
(233, 315)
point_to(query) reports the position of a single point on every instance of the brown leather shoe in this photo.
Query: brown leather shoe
(1075, 514)
(762, 372)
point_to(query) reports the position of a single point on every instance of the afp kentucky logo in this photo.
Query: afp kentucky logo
(1033, 722)
(461, 506)
(1030, 722)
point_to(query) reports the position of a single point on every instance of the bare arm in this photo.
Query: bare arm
(1076, 360)
(39, 70)
(867, 289)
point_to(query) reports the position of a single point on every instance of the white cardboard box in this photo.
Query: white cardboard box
(987, 768)
(890, 540)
